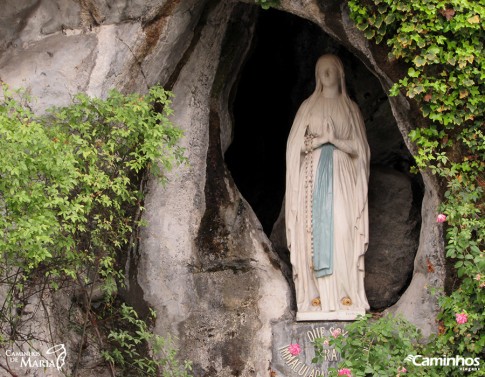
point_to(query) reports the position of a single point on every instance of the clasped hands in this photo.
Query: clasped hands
(327, 136)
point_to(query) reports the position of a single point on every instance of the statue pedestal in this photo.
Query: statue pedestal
(341, 315)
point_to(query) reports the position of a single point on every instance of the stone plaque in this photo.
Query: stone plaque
(304, 334)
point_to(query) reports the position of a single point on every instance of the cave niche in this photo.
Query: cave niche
(276, 77)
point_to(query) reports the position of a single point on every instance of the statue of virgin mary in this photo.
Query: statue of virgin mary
(327, 227)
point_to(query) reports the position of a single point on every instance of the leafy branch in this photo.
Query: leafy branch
(71, 195)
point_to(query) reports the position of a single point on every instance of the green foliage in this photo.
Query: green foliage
(128, 352)
(375, 347)
(266, 4)
(71, 193)
(442, 43)
(383, 347)
(465, 339)
(70, 178)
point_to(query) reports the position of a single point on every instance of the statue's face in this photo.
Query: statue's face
(328, 74)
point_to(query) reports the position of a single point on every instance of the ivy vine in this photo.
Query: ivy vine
(442, 42)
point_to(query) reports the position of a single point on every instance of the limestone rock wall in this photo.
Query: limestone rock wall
(210, 272)
(57, 48)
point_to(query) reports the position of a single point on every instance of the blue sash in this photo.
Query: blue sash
(323, 214)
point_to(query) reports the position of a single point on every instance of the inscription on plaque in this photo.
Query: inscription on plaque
(293, 348)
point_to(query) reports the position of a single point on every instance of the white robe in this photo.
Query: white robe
(350, 211)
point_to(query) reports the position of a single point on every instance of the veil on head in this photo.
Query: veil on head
(340, 69)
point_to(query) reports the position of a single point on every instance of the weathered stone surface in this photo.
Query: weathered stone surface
(394, 236)
(419, 303)
(131, 50)
(210, 273)
(25, 22)
(44, 70)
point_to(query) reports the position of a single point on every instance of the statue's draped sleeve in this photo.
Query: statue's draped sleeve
(362, 168)
(296, 140)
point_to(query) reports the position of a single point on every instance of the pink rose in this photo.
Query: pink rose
(345, 372)
(294, 349)
(336, 332)
(402, 370)
(441, 218)
(461, 318)
(326, 342)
